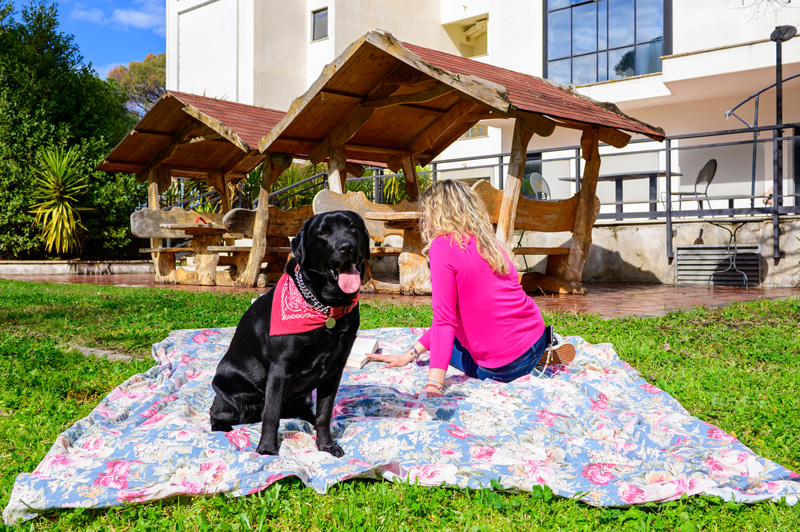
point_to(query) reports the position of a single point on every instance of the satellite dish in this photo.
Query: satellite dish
(541, 190)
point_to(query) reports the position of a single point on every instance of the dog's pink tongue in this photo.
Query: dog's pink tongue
(350, 280)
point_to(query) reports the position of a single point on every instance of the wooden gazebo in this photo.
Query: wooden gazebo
(185, 135)
(400, 104)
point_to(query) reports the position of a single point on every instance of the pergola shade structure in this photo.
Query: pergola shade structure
(185, 135)
(400, 104)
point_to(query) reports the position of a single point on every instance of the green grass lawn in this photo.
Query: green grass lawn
(737, 367)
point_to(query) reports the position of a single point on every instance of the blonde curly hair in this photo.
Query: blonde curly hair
(449, 207)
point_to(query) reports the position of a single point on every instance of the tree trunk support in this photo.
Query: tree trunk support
(274, 164)
(513, 182)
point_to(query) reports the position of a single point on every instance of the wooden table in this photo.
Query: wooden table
(203, 236)
(627, 176)
(415, 274)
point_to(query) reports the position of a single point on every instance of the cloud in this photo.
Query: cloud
(92, 14)
(139, 14)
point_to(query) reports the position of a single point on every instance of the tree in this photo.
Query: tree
(50, 99)
(144, 82)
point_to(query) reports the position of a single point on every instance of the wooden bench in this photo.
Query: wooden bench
(282, 225)
(147, 223)
(327, 200)
(537, 216)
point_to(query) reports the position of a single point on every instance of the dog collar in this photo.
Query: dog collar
(292, 312)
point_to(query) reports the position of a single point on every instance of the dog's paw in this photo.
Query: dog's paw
(221, 427)
(266, 449)
(333, 449)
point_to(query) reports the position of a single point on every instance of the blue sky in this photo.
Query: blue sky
(114, 32)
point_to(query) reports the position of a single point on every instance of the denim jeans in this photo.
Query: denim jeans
(523, 365)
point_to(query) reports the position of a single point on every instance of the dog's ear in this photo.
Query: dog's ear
(364, 234)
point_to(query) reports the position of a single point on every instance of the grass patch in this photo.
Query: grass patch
(737, 367)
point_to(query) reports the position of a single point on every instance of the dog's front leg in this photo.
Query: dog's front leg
(271, 415)
(326, 395)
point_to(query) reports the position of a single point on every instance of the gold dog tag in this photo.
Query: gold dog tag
(330, 323)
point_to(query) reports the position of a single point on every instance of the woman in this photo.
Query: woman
(484, 323)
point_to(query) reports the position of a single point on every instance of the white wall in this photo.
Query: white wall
(205, 38)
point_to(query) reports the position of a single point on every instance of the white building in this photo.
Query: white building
(676, 64)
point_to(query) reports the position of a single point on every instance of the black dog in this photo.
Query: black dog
(265, 376)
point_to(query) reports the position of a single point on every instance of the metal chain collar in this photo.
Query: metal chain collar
(311, 301)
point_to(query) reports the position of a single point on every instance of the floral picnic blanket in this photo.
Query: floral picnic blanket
(594, 430)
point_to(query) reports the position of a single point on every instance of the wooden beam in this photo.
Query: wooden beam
(149, 132)
(492, 95)
(355, 169)
(513, 182)
(609, 135)
(273, 166)
(204, 138)
(426, 140)
(217, 180)
(539, 124)
(341, 134)
(337, 168)
(217, 126)
(585, 216)
(167, 151)
(478, 116)
(410, 175)
(415, 97)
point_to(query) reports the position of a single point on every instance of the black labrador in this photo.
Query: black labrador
(266, 376)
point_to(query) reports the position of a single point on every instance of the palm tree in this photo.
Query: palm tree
(58, 183)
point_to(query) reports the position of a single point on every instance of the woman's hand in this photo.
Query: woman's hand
(429, 391)
(394, 361)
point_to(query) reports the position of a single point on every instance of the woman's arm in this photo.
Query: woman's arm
(399, 360)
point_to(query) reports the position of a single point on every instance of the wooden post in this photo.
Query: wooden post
(217, 180)
(273, 166)
(410, 175)
(584, 217)
(337, 170)
(513, 182)
(164, 263)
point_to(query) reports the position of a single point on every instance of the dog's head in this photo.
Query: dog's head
(331, 249)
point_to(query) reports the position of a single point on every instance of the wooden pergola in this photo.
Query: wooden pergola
(185, 135)
(400, 104)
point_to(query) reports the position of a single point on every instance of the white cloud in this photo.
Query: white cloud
(139, 14)
(91, 14)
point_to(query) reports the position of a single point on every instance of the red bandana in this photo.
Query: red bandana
(291, 314)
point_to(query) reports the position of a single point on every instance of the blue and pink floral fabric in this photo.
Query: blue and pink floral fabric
(594, 430)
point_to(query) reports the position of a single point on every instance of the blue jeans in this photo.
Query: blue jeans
(523, 365)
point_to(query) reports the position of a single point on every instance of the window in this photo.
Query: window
(475, 132)
(319, 24)
(598, 40)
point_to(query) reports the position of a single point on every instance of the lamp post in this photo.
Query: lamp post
(779, 35)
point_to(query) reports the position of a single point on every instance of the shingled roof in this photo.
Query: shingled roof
(215, 136)
(382, 99)
(538, 95)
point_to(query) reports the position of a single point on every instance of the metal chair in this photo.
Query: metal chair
(704, 176)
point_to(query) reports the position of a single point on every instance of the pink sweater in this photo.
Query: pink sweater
(492, 316)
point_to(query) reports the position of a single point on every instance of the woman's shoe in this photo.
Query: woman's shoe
(560, 353)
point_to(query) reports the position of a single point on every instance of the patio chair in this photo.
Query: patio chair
(704, 176)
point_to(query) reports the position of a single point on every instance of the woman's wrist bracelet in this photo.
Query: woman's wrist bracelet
(438, 385)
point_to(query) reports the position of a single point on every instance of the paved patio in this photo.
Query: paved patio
(609, 300)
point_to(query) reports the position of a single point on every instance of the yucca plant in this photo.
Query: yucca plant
(57, 186)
